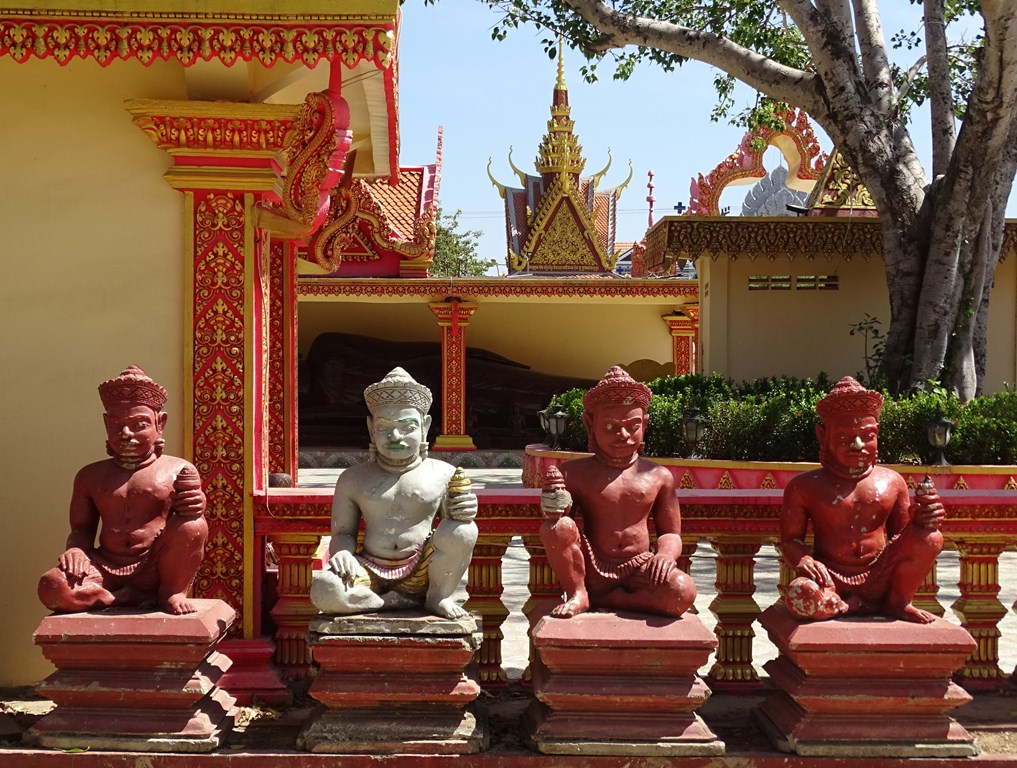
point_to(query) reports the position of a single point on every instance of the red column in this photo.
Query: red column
(684, 327)
(453, 317)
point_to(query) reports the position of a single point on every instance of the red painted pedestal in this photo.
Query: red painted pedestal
(135, 679)
(394, 683)
(253, 678)
(620, 684)
(865, 687)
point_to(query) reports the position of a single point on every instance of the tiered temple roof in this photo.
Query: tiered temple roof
(558, 221)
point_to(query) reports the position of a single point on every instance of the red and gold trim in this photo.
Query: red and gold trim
(453, 316)
(796, 141)
(213, 33)
(434, 288)
(227, 427)
(684, 328)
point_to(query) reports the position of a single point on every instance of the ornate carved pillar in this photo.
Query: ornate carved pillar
(222, 153)
(293, 609)
(484, 586)
(736, 610)
(684, 327)
(545, 591)
(980, 611)
(453, 316)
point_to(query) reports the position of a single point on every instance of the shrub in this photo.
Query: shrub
(774, 419)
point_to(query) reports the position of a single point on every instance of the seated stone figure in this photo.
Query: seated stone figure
(146, 507)
(609, 564)
(405, 560)
(873, 548)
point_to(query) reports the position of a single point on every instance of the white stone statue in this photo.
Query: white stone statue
(405, 560)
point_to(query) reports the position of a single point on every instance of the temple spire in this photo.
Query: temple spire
(560, 151)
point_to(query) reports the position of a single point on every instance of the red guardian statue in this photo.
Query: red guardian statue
(872, 548)
(147, 509)
(609, 564)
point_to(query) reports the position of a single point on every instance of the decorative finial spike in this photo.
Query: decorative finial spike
(560, 84)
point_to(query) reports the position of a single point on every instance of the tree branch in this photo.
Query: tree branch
(875, 63)
(776, 80)
(940, 92)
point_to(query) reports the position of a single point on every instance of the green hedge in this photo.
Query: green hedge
(774, 419)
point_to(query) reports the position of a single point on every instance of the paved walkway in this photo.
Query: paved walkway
(515, 575)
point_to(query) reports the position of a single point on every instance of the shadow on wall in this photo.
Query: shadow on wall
(502, 395)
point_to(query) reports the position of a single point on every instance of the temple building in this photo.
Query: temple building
(559, 222)
(216, 195)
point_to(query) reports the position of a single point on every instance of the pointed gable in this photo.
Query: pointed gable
(558, 221)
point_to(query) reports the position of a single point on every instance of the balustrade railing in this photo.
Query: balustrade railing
(980, 525)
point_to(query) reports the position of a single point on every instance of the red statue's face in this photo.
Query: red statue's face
(850, 443)
(617, 430)
(132, 430)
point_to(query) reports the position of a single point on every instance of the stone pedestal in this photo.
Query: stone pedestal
(254, 678)
(394, 683)
(620, 684)
(865, 687)
(135, 679)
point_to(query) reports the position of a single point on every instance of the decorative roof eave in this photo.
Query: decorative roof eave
(228, 30)
(692, 237)
(307, 31)
(535, 289)
(354, 213)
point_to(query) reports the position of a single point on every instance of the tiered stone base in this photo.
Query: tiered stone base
(865, 687)
(135, 679)
(394, 683)
(620, 684)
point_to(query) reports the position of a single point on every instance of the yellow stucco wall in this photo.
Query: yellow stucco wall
(752, 333)
(93, 281)
(566, 339)
(793, 332)
(1001, 365)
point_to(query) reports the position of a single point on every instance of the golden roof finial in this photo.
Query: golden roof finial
(560, 85)
(560, 151)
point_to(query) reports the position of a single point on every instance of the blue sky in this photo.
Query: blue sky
(491, 96)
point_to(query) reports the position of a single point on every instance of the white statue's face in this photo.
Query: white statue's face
(398, 431)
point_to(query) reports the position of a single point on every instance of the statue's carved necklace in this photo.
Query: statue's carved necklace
(132, 464)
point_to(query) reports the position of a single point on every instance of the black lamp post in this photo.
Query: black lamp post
(693, 427)
(553, 425)
(557, 422)
(939, 435)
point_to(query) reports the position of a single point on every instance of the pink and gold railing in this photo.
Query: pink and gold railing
(980, 524)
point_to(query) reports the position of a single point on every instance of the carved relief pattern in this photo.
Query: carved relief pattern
(682, 353)
(842, 188)
(276, 368)
(747, 162)
(563, 235)
(804, 238)
(187, 40)
(180, 133)
(481, 288)
(218, 366)
(311, 162)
